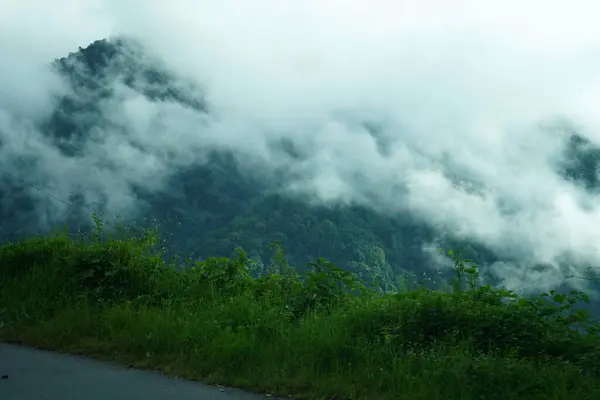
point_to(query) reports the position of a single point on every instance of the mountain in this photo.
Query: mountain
(210, 207)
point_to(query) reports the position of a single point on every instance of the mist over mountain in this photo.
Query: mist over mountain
(368, 143)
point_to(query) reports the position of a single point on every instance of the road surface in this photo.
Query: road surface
(32, 374)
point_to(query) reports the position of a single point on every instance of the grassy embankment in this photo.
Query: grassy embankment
(320, 335)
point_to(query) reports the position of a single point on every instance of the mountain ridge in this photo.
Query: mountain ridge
(224, 206)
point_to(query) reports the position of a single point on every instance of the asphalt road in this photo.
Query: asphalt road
(31, 374)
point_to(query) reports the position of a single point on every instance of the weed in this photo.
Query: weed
(317, 334)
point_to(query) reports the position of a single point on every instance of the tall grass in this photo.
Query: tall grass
(322, 334)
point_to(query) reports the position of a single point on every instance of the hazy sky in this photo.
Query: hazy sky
(461, 83)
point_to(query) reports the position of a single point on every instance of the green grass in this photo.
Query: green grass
(318, 335)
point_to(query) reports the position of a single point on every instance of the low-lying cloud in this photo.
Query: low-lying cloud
(439, 108)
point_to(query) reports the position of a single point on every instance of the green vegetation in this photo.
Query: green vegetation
(319, 334)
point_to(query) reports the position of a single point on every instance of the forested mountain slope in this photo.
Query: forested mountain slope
(215, 204)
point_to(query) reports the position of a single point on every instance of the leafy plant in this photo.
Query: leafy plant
(311, 331)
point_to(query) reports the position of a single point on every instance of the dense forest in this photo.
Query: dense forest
(212, 207)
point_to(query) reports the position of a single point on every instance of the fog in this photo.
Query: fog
(467, 97)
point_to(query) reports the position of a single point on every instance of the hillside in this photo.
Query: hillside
(215, 203)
